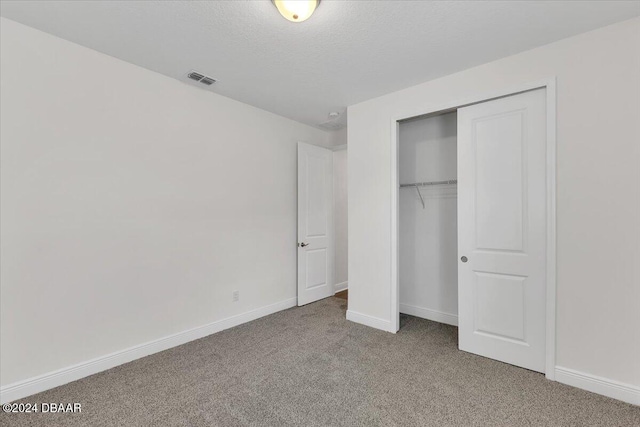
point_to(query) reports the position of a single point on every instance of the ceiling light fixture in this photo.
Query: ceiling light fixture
(296, 10)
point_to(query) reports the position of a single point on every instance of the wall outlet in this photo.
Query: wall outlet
(236, 296)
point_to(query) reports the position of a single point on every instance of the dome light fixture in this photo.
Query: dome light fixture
(296, 10)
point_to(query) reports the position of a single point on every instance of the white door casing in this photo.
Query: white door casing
(315, 223)
(502, 229)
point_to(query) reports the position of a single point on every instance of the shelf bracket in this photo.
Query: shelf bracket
(420, 194)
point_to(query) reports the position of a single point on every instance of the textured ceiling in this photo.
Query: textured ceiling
(347, 52)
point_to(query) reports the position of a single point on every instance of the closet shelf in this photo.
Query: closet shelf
(424, 184)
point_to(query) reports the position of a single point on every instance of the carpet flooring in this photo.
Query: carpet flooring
(309, 366)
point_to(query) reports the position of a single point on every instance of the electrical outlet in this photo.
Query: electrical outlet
(236, 296)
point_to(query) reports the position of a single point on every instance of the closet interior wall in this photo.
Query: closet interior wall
(428, 235)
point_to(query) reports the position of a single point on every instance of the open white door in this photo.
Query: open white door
(502, 229)
(315, 223)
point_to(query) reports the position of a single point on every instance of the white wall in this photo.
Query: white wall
(337, 137)
(428, 238)
(598, 190)
(133, 205)
(340, 217)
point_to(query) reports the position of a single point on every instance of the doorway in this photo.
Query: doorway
(505, 224)
(322, 222)
(315, 223)
(428, 241)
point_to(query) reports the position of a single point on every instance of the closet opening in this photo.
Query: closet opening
(473, 223)
(427, 218)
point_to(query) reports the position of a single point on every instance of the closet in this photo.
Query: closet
(473, 239)
(428, 268)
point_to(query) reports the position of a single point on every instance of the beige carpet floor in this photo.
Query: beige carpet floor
(309, 366)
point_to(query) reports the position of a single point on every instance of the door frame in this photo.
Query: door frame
(342, 147)
(550, 317)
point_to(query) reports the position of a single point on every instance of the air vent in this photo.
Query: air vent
(332, 125)
(201, 78)
(337, 120)
(196, 76)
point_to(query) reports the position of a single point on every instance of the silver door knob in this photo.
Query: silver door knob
(303, 244)
(464, 259)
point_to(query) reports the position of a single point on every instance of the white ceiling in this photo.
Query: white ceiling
(347, 52)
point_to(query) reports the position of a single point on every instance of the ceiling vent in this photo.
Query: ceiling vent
(331, 125)
(201, 78)
(336, 121)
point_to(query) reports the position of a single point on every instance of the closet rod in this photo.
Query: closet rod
(422, 184)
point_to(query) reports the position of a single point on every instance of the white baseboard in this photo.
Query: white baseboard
(339, 287)
(426, 313)
(604, 386)
(66, 375)
(374, 322)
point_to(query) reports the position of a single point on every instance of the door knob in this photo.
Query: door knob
(303, 244)
(464, 259)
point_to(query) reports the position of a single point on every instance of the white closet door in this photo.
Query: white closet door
(502, 229)
(315, 223)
